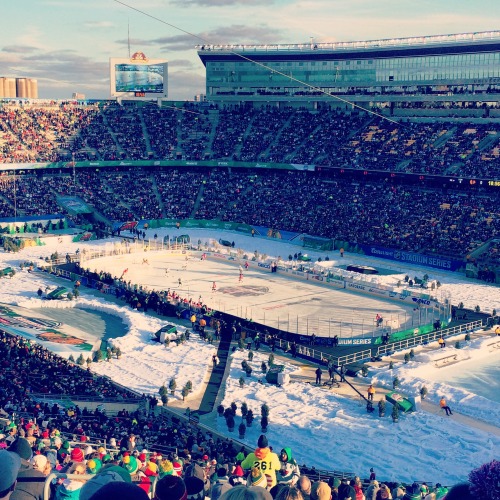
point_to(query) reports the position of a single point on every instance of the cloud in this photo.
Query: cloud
(19, 49)
(181, 63)
(99, 24)
(221, 3)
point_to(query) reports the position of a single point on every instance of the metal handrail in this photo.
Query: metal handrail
(429, 337)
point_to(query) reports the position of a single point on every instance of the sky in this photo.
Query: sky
(316, 423)
(66, 44)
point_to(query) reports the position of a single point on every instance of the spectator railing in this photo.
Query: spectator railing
(429, 337)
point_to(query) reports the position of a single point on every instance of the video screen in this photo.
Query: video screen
(146, 78)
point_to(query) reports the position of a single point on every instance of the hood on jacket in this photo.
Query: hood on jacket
(262, 453)
(288, 452)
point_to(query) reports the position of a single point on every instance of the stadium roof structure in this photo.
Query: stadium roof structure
(485, 39)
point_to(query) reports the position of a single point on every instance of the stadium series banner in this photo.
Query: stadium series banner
(411, 257)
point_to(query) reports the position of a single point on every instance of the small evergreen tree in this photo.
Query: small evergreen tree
(234, 408)
(423, 392)
(457, 345)
(244, 410)
(250, 356)
(80, 360)
(230, 423)
(184, 392)
(164, 399)
(263, 367)
(264, 422)
(241, 430)
(97, 356)
(467, 337)
(249, 371)
(71, 358)
(381, 408)
(244, 365)
(364, 371)
(395, 382)
(220, 410)
(241, 344)
(242, 382)
(249, 418)
(172, 385)
(118, 353)
(271, 360)
(264, 410)
(189, 385)
(395, 413)
(391, 365)
(477, 309)
(163, 390)
(412, 354)
(89, 362)
(407, 357)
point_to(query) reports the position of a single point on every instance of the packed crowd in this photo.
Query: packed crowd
(326, 137)
(165, 457)
(449, 222)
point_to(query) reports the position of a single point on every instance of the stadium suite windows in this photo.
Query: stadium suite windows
(475, 62)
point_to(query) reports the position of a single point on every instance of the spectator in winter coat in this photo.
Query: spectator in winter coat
(289, 472)
(26, 489)
(263, 458)
(346, 491)
(371, 491)
(70, 488)
(9, 465)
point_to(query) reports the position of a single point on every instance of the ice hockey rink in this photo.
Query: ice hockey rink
(279, 300)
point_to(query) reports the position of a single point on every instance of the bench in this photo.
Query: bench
(445, 360)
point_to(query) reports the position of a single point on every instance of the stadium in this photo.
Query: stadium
(319, 187)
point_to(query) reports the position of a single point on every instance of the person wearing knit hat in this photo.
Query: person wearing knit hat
(33, 485)
(194, 488)
(119, 470)
(22, 447)
(151, 469)
(10, 463)
(77, 455)
(237, 477)
(266, 459)
(171, 488)
(177, 469)
(253, 492)
(143, 459)
(130, 464)
(165, 468)
(70, 489)
(94, 465)
(42, 464)
(97, 482)
(121, 490)
(257, 478)
(321, 491)
(289, 471)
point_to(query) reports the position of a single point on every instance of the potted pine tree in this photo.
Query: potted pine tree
(230, 422)
(244, 410)
(395, 413)
(242, 429)
(249, 418)
(381, 408)
(264, 422)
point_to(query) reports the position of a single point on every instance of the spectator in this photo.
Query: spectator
(10, 464)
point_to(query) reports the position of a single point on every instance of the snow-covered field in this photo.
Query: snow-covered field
(323, 429)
